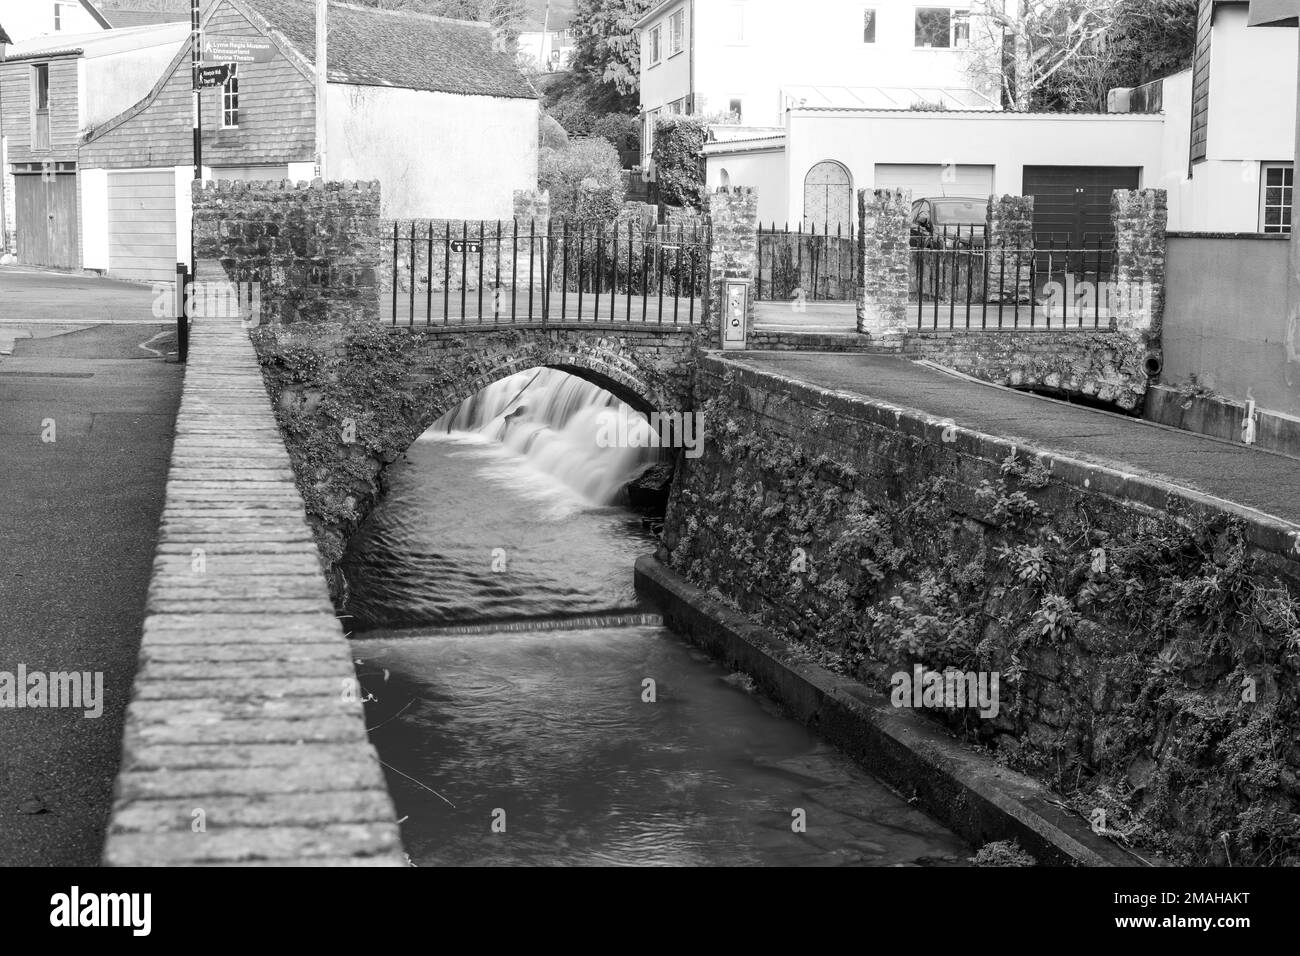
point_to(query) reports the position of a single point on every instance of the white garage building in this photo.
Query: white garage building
(808, 172)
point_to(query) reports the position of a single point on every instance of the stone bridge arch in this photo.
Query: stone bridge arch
(613, 363)
(350, 398)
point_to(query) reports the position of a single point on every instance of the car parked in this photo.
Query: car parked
(947, 221)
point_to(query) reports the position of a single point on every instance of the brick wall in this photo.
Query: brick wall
(1124, 616)
(312, 247)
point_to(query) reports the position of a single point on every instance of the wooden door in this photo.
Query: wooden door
(46, 219)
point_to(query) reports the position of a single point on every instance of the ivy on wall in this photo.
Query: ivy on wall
(678, 156)
(1150, 667)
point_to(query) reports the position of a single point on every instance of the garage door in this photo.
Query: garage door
(934, 179)
(142, 225)
(46, 219)
(1072, 203)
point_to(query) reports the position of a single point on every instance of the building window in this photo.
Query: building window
(942, 28)
(1275, 197)
(676, 32)
(58, 16)
(735, 110)
(868, 26)
(656, 44)
(230, 103)
(41, 106)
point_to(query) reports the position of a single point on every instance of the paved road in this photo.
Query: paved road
(78, 519)
(37, 297)
(1248, 476)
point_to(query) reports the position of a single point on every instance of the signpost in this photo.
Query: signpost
(211, 76)
(219, 49)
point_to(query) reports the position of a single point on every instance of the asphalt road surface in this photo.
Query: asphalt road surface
(78, 522)
(31, 295)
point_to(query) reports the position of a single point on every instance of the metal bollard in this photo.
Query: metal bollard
(182, 311)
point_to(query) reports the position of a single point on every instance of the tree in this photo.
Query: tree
(607, 48)
(1022, 44)
(1150, 39)
(584, 179)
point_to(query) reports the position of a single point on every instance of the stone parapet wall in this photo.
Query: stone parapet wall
(312, 247)
(245, 737)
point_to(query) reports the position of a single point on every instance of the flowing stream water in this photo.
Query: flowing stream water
(498, 632)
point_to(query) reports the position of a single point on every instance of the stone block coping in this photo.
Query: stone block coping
(245, 739)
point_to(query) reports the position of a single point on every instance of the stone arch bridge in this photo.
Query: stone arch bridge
(351, 398)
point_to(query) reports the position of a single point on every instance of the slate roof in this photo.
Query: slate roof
(397, 48)
(125, 19)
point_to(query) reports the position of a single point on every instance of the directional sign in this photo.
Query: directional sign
(216, 75)
(219, 49)
(466, 245)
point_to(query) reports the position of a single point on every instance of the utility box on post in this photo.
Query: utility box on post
(736, 311)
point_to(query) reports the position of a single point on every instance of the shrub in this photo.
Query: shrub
(550, 134)
(585, 180)
(575, 114)
(623, 131)
(679, 163)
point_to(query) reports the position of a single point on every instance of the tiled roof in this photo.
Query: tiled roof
(125, 19)
(397, 48)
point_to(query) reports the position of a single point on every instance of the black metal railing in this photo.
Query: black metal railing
(816, 265)
(528, 271)
(974, 285)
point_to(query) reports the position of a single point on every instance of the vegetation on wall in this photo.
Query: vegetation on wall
(1150, 668)
(585, 181)
(327, 387)
(679, 161)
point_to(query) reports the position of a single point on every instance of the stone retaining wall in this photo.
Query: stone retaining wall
(1147, 637)
(245, 739)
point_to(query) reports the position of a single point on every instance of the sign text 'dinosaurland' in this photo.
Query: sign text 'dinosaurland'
(219, 49)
